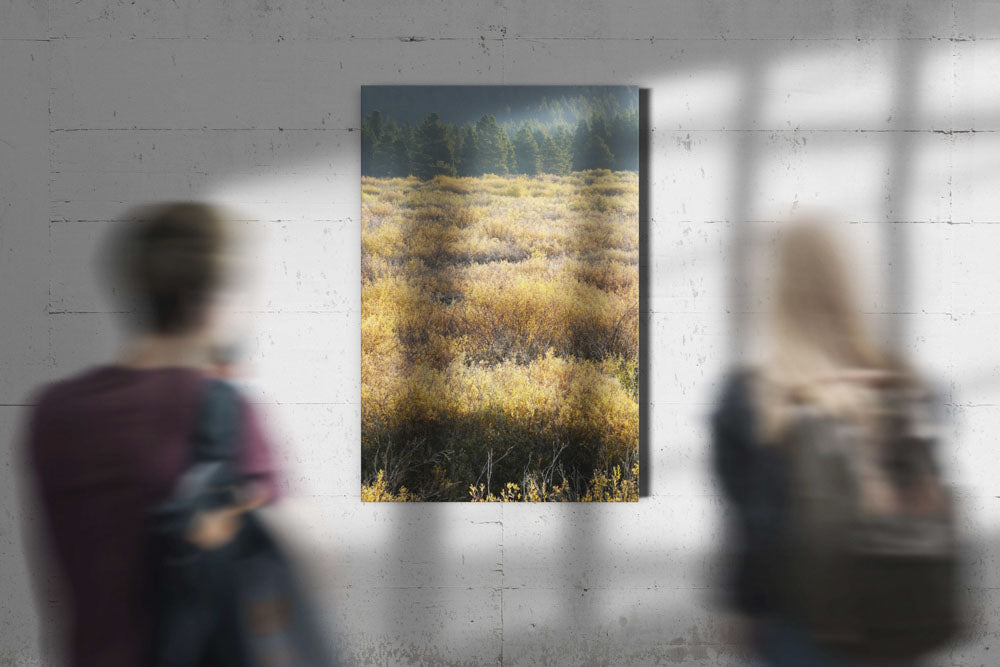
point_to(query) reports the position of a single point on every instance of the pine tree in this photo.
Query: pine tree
(468, 154)
(408, 135)
(539, 134)
(494, 147)
(376, 123)
(624, 140)
(369, 140)
(590, 148)
(599, 128)
(400, 159)
(435, 152)
(508, 147)
(526, 152)
(597, 155)
(383, 157)
(581, 136)
(367, 150)
(556, 158)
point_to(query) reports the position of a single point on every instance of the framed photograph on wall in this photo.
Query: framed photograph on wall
(499, 293)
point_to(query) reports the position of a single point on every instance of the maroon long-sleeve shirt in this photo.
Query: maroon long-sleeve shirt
(104, 448)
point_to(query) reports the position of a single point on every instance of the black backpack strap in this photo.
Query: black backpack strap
(186, 580)
(211, 477)
(216, 433)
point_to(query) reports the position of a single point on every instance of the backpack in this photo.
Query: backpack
(237, 605)
(871, 568)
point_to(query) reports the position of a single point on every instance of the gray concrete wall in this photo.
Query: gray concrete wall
(886, 112)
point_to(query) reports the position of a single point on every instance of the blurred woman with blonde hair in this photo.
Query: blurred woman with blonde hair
(820, 358)
(820, 350)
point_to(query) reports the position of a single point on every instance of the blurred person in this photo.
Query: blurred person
(108, 445)
(844, 549)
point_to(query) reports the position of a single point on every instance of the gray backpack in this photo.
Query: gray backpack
(871, 549)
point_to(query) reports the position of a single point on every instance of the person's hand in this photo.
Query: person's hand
(214, 529)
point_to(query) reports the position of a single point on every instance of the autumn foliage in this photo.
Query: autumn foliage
(500, 337)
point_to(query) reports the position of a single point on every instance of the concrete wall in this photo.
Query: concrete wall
(885, 111)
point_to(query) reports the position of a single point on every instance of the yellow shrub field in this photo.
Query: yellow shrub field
(500, 334)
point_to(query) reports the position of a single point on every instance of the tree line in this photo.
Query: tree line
(433, 147)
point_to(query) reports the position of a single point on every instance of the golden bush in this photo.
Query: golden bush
(460, 186)
(500, 338)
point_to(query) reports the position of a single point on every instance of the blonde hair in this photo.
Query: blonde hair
(821, 345)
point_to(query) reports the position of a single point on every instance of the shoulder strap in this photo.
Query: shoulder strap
(216, 432)
(211, 476)
(211, 473)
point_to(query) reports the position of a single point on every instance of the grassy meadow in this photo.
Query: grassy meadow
(500, 337)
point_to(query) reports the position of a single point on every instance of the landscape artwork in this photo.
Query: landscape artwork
(500, 293)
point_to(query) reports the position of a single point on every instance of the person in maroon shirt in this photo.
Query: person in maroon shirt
(106, 446)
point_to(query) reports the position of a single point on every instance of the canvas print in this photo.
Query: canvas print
(499, 293)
